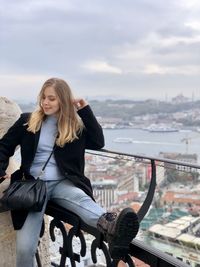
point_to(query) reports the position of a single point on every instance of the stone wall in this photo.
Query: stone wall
(9, 113)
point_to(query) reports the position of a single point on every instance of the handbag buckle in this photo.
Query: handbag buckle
(41, 174)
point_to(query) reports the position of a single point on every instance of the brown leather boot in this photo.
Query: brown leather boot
(119, 231)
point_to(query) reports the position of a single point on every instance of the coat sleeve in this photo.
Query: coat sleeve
(9, 142)
(94, 132)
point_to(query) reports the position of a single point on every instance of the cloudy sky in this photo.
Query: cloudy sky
(130, 48)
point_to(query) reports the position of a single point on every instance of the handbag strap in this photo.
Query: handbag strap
(43, 168)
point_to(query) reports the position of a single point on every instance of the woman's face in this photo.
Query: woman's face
(50, 101)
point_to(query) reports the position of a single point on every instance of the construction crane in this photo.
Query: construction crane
(187, 141)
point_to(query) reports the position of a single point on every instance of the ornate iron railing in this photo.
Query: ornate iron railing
(138, 249)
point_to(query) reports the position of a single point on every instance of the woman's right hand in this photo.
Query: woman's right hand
(79, 103)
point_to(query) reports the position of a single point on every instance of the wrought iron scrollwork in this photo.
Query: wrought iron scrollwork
(66, 250)
(55, 223)
(98, 243)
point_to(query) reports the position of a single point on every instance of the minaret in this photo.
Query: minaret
(193, 96)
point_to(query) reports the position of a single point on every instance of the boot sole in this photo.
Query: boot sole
(127, 227)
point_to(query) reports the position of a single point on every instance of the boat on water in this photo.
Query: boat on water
(160, 129)
(123, 140)
(164, 130)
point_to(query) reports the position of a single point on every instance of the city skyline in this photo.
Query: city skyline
(138, 49)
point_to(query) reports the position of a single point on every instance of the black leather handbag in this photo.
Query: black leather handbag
(25, 193)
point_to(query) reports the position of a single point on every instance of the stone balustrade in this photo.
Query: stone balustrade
(9, 113)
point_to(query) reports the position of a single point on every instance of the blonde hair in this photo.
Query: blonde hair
(69, 123)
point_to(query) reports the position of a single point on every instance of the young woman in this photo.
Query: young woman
(68, 125)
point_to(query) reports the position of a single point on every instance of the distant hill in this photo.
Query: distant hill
(128, 109)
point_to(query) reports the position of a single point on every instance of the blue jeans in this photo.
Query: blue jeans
(66, 195)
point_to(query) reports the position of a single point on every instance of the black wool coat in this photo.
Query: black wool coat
(69, 158)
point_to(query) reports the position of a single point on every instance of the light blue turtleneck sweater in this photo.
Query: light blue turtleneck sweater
(45, 145)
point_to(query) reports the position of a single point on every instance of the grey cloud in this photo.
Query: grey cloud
(45, 37)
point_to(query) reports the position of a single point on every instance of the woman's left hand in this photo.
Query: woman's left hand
(6, 176)
(80, 103)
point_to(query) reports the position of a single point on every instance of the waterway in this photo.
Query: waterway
(151, 143)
